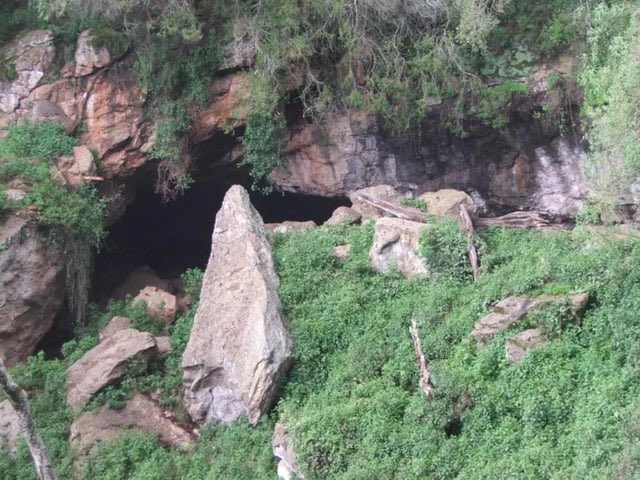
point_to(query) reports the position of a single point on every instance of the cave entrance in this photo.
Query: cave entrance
(170, 237)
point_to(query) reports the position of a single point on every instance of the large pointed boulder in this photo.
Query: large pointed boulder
(239, 350)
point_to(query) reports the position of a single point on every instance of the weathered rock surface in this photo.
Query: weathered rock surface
(343, 215)
(395, 244)
(161, 305)
(239, 349)
(518, 347)
(289, 226)
(511, 309)
(75, 167)
(228, 108)
(9, 427)
(447, 202)
(115, 325)
(31, 288)
(283, 450)
(139, 414)
(342, 251)
(105, 363)
(33, 54)
(136, 281)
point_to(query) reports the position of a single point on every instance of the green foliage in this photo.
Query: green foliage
(265, 134)
(353, 401)
(6, 205)
(415, 203)
(611, 78)
(445, 248)
(115, 42)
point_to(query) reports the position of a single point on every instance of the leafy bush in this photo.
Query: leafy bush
(611, 78)
(445, 248)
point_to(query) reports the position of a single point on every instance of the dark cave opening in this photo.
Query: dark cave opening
(170, 237)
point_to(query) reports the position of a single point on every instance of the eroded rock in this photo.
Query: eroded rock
(395, 246)
(32, 287)
(105, 363)
(90, 57)
(75, 167)
(140, 414)
(239, 349)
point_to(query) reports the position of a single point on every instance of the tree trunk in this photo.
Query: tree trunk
(18, 399)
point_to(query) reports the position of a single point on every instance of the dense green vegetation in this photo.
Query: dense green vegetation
(569, 410)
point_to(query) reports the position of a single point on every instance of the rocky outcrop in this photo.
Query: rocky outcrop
(517, 347)
(33, 54)
(395, 246)
(93, 54)
(31, 287)
(106, 363)
(512, 309)
(161, 306)
(239, 349)
(283, 450)
(9, 427)
(77, 167)
(227, 109)
(139, 414)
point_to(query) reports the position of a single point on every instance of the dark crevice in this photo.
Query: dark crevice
(170, 237)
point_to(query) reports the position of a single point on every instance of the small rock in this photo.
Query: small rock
(446, 203)
(289, 226)
(105, 363)
(343, 215)
(517, 347)
(161, 305)
(14, 194)
(9, 427)
(77, 165)
(164, 346)
(395, 244)
(140, 414)
(89, 58)
(283, 449)
(504, 314)
(342, 251)
(115, 325)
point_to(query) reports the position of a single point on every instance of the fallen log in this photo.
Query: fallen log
(405, 213)
(519, 219)
(425, 374)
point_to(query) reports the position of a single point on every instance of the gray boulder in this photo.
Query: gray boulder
(105, 363)
(239, 350)
(395, 246)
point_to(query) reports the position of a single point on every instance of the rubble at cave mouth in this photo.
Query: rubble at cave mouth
(170, 237)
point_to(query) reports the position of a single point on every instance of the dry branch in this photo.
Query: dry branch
(466, 224)
(520, 219)
(405, 213)
(18, 399)
(425, 375)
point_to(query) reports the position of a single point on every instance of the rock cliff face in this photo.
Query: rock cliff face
(31, 288)
(239, 349)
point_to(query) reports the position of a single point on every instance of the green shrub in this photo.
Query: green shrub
(445, 248)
